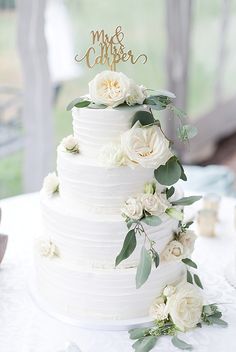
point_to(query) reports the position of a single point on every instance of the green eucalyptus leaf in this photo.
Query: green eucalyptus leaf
(128, 247)
(152, 220)
(144, 117)
(189, 262)
(217, 321)
(189, 277)
(188, 224)
(79, 103)
(155, 257)
(97, 106)
(186, 200)
(137, 333)
(186, 132)
(174, 213)
(145, 344)
(169, 173)
(130, 222)
(144, 267)
(183, 175)
(197, 281)
(182, 345)
(169, 192)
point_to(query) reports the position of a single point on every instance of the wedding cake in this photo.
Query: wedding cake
(114, 235)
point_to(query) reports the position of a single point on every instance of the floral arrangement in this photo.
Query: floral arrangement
(146, 209)
(70, 144)
(51, 184)
(179, 309)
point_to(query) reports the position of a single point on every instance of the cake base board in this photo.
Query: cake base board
(93, 323)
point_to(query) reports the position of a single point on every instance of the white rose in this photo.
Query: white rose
(70, 144)
(158, 310)
(146, 146)
(188, 239)
(185, 306)
(154, 204)
(112, 155)
(133, 208)
(173, 251)
(51, 184)
(135, 95)
(47, 249)
(169, 290)
(109, 88)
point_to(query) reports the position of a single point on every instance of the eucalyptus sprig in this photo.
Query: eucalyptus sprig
(148, 253)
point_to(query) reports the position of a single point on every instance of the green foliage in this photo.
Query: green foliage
(144, 267)
(145, 344)
(189, 262)
(211, 315)
(155, 257)
(151, 220)
(129, 246)
(157, 102)
(144, 117)
(169, 173)
(79, 103)
(186, 200)
(169, 192)
(174, 213)
(197, 281)
(186, 132)
(182, 345)
(137, 333)
(189, 277)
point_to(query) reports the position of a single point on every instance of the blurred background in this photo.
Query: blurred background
(191, 50)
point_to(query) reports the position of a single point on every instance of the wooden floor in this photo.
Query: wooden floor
(225, 153)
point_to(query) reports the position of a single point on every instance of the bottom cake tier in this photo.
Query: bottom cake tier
(105, 294)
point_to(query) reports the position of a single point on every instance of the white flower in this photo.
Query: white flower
(70, 144)
(158, 309)
(146, 146)
(169, 290)
(150, 188)
(109, 88)
(133, 208)
(187, 239)
(136, 94)
(173, 251)
(48, 249)
(185, 306)
(154, 204)
(112, 155)
(51, 184)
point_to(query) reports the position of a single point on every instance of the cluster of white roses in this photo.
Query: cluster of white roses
(183, 304)
(114, 88)
(143, 145)
(151, 203)
(51, 184)
(47, 248)
(70, 144)
(181, 247)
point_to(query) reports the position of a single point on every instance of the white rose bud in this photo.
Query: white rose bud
(185, 306)
(70, 144)
(173, 251)
(135, 95)
(146, 146)
(109, 88)
(169, 291)
(133, 208)
(154, 204)
(112, 155)
(51, 184)
(187, 239)
(158, 309)
(150, 188)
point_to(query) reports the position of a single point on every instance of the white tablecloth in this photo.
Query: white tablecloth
(25, 328)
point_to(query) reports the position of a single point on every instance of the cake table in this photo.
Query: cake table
(24, 327)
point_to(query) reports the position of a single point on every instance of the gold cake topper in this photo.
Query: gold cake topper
(109, 50)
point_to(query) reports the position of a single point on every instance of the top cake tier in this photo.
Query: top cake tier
(95, 128)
